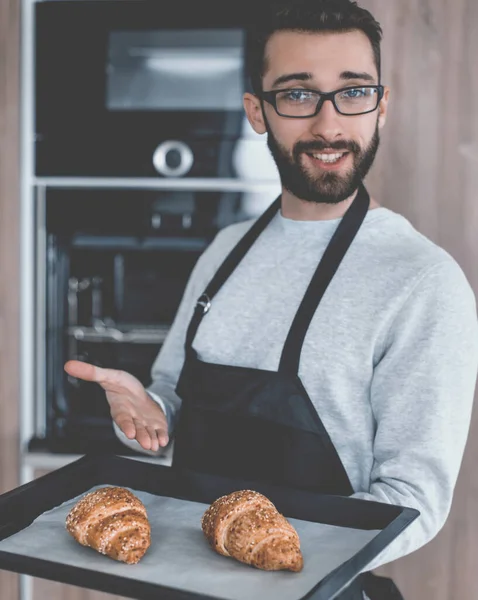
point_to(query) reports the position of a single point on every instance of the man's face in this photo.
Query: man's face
(323, 62)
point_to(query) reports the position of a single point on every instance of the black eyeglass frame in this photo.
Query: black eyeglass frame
(271, 98)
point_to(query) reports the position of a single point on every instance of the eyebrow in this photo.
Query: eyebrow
(292, 77)
(304, 76)
(354, 75)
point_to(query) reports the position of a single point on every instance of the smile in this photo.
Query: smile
(328, 160)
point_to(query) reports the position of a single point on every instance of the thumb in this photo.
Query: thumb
(87, 371)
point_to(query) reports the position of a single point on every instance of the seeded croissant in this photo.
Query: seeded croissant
(247, 526)
(112, 521)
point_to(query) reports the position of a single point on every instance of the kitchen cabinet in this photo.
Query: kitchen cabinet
(51, 590)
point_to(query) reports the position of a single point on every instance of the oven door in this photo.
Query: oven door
(133, 89)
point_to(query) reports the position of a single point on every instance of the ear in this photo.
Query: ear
(253, 108)
(383, 107)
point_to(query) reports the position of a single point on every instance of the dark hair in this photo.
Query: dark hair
(308, 16)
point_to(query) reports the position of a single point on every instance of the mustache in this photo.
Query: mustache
(319, 146)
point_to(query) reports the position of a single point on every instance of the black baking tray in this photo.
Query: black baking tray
(20, 507)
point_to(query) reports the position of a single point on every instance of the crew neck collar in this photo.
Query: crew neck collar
(324, 225)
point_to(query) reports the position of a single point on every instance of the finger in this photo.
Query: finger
(127, 426)
(153, 437)
(142, 436)
(109, 379)
(163, 437)
(82, 370)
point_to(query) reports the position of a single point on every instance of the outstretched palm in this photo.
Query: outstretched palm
(135, 413)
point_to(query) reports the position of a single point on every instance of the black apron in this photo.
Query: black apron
(261, 425)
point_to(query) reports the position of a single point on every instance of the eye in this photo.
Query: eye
(354, 94)
(297, 96)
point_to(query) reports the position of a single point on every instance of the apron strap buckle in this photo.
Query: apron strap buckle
(205, 302)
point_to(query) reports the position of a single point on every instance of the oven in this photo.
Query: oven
(136, 88)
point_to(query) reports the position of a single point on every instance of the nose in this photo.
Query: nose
(327, 124)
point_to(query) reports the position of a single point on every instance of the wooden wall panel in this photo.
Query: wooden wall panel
(427, 169)
(9, 259)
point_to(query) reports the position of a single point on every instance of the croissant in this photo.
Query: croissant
(247, 526)
(112, 521)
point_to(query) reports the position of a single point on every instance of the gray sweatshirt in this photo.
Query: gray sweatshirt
(389, 361)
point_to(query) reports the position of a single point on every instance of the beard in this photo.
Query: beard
(328, 187)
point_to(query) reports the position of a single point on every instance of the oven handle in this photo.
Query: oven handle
(149, 335)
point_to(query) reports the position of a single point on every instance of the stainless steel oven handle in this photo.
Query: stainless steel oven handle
(112, 334)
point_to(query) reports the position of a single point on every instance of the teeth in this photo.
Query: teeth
(329, 158)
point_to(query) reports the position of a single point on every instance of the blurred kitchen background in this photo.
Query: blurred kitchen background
(124, 149)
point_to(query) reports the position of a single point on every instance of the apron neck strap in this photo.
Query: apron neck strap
(328, 265)
(227, 267)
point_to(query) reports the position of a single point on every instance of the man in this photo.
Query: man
(336, 348)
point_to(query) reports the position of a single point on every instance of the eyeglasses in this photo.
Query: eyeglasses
(302, 103)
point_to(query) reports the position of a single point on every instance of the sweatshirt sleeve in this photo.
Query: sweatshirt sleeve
(422, 395)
